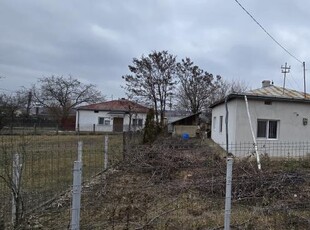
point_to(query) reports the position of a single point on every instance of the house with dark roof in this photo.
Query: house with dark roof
(277, 115)
(188, 124)
(111, 116)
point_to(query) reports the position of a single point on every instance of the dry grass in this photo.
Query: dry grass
(162, 187)
(48, 162)
(166, 186)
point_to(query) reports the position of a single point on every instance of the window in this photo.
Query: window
(267, 129)
(101, 120)
(96, 111)
(137, 122)
(268, 102)
(214, 122)
(104, 121)
(221, 124)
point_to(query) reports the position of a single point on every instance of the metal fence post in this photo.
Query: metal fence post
(228, 193)
(106, 145)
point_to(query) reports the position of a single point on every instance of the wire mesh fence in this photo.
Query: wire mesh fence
(47, 162)
(170, 184)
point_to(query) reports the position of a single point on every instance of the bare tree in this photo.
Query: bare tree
(10, 105)
(59, 95)
(227, 87)
(152, 80)
(196, 86)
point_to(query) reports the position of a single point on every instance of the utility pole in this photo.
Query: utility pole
(304, 68)
(285, 69)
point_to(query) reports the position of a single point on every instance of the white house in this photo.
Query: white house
(278, 116)
(111, 116)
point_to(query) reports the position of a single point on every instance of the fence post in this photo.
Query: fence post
(80, 150)
(76, 190)
(124, 146)
(94, 128)
(228, 193)
(106, 145)
(16, 182)
(76, 196)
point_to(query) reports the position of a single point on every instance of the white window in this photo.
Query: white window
(104, 121)
(214, 122)
(221, 124)
(267, 129)
(137, 122)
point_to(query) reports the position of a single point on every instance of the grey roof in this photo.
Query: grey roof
(276, 91)
(271, 92)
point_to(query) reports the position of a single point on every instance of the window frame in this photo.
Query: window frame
(268, 128)
(214, 123)
(221, 124)
(106, 121)
(137, 122)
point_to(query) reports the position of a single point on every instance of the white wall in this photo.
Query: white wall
(87, 119)
(220, 110)
(290, 127)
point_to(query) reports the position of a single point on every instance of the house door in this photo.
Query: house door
(118, 124)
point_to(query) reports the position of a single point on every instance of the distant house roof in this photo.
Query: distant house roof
(122, 105)
(269, 92)
(188, 120)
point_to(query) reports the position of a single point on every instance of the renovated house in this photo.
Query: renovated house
(111, 116)
(279, 116)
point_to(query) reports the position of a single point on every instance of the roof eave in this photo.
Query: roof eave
(259, 97)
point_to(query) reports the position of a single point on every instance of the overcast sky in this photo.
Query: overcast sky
(95, 41)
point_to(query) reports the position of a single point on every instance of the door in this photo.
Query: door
(118, 124)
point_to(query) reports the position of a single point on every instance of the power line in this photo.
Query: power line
(278, 43)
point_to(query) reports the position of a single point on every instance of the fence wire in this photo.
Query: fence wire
(170, 184)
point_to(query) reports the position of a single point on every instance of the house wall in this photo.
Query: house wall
(88, 120)
(179, 130)
(291, 129)
(290, 117)
(220, 110)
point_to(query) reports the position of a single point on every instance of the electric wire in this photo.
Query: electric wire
(296, 83)
(278, 43)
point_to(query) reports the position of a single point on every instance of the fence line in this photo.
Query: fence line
(47, 166)
(170, 184)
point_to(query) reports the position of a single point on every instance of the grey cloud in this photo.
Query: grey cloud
(96, 40)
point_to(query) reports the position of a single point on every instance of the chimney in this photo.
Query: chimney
(265, 83)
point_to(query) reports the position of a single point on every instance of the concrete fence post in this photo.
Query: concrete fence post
(77, 190)
(228, 193)
(106, 146)
(76, 196)
(16, 182)
(80, 151)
